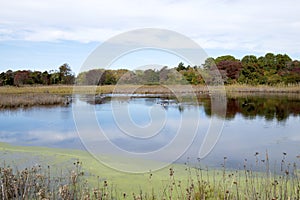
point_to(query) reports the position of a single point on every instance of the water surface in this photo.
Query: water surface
(256, 123)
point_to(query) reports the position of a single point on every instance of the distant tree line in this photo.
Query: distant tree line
(269, 69)
(63, 75)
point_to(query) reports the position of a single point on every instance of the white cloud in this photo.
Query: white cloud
(38, 137)
(217, 24)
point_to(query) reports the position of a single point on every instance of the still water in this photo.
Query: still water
(256, 123)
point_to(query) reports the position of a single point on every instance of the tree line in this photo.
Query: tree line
(270, 69)
(63, 75)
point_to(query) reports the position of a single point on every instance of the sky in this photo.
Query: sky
(43, 34)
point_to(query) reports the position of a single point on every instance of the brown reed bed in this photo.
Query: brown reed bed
(29, 100)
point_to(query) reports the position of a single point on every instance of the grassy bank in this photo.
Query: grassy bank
(263, 89)
(58, 89)
(75, 174)
(146, 89)
(29, 100)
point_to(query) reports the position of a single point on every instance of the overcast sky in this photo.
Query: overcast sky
(43, 34)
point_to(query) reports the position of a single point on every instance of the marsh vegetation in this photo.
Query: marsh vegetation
(248, 84)
(199, 182)
(29, 100)
(28, 96)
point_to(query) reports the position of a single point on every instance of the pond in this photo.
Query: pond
(143, 124)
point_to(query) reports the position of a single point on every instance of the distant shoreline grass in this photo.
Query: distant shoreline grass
(31, 99)
(145, 89)
(28, 96)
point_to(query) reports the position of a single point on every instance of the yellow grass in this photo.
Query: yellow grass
(263, 88)
(145, 89)
(32, 99)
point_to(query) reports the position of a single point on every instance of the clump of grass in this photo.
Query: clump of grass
(248, 183)
(28, 100)
(39, 183)
(251, 182)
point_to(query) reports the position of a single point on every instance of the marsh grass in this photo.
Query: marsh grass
(279, 88)
(15, 97)
(148, 89)
(199, 183)
(29, 100)
(59, 89)
(39, 183)
(126, 89)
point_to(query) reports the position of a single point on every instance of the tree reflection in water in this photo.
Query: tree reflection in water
(268, 106)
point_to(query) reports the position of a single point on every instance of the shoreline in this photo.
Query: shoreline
(146, 89)
(56, 167)
(29, 96)
(60, 158)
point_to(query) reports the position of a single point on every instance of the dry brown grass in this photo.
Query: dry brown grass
(263, 88)
(147, 89)
(60, 89)
(39, 183)
(28, 100)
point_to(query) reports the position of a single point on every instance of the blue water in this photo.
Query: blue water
(141, 125)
